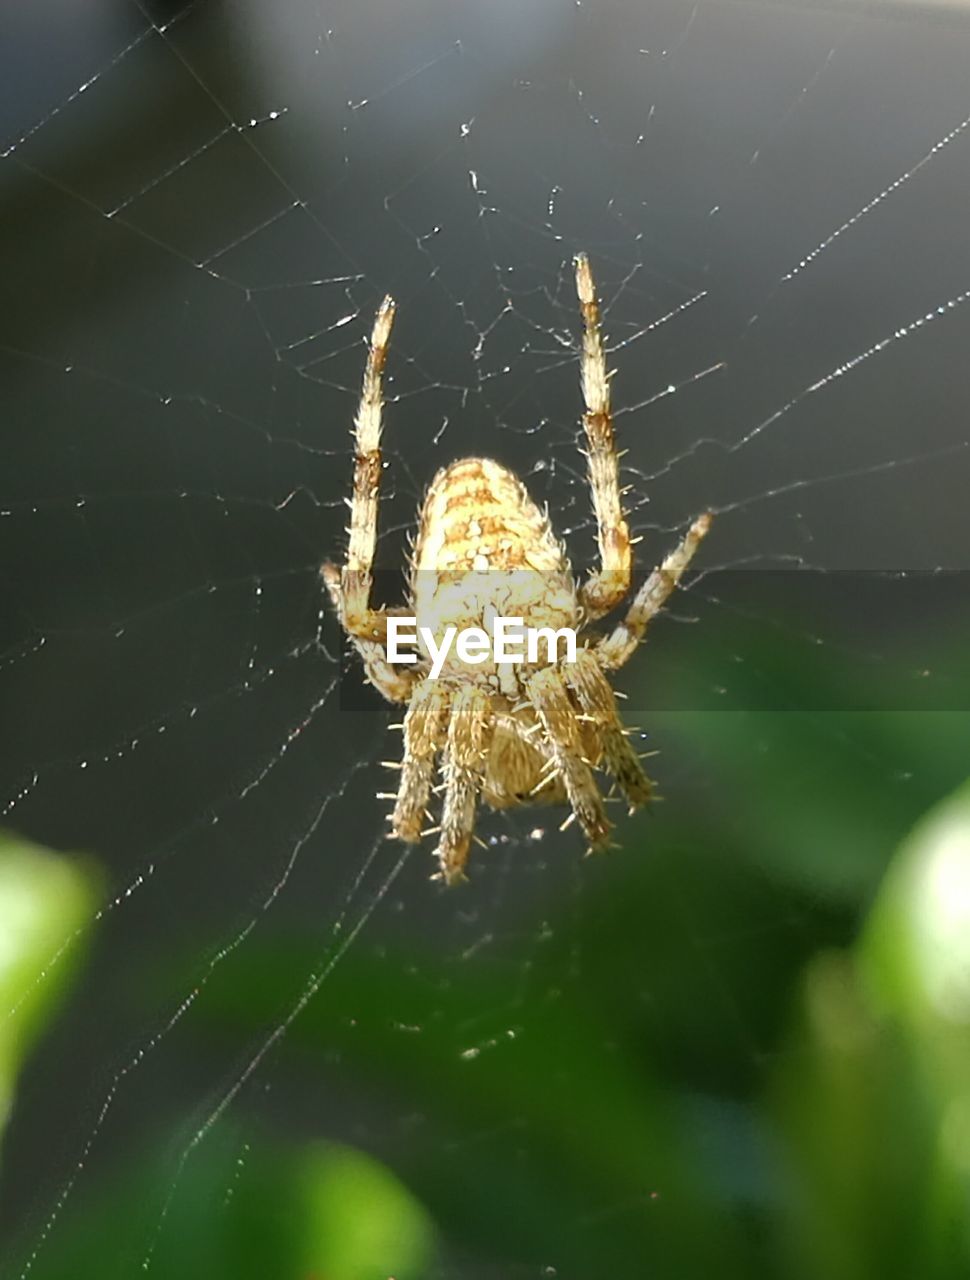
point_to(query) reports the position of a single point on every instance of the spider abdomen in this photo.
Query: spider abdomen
(485, 550)
(479, 515)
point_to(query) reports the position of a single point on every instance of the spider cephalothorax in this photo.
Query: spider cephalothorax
(514, 733)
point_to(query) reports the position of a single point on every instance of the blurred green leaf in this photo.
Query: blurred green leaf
(873, 1100)
(45, 899)
(915, 959)
(245, 1208)
(359, 1221)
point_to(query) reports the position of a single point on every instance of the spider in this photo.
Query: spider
(510, 733)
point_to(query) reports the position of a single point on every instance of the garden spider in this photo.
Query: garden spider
(516, 734)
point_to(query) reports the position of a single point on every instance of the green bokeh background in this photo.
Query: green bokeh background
(792, 1099)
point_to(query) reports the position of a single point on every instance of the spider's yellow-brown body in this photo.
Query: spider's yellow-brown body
(485, 550)
(513, 733)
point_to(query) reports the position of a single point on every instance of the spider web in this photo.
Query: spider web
(203, 206)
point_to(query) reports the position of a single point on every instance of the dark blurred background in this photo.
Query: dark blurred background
(243, 1035)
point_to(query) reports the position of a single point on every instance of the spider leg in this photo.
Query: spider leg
(424, 734)
(558, 718)
(355, 577)
(613, 650)
(394, 682)
(607, 586)
(595, 697)
(469, 737)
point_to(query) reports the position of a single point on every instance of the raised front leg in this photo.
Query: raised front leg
(355, 578)
(609, 584)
